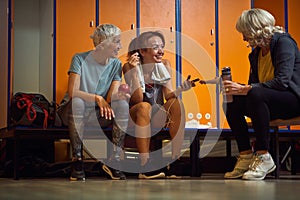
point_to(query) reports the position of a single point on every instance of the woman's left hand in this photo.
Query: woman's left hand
(186, 85)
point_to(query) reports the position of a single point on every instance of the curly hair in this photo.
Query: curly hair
(258, 26)
(103, 32)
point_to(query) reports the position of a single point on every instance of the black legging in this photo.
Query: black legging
(261, 105)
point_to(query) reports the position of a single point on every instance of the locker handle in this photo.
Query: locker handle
(92, 23)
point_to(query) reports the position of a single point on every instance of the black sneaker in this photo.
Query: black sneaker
(114, 174)
(172, 169)
(147, 172)
(77, 172)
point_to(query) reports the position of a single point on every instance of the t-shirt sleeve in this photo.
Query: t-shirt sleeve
(118, 74)
(75, 66)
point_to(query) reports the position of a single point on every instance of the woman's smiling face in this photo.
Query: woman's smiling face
(114, 46)
(154, 51)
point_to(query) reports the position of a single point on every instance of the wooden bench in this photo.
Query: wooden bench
(17, 134)
(279, 131)
(286, 134)
(193, 135)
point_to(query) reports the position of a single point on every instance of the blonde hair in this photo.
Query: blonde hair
(258, 26)
(103, 32)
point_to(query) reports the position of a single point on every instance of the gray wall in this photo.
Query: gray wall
(33, 46)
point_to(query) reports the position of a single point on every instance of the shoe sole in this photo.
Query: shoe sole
(261, 178)
(160, 175)
(233, 177)
(107, 170)
(76, 179)
(173, 177)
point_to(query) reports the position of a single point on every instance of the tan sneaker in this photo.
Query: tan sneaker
(241, 166)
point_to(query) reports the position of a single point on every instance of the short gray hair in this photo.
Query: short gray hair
(103, 32)
(258, 26)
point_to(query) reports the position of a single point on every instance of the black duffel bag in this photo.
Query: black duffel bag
(31, 109)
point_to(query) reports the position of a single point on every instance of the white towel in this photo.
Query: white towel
(159, 75)
(141, 77)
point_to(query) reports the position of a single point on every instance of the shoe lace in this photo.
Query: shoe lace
(239, 160)
(255, 163)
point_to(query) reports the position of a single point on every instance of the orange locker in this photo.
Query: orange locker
(232, 49)
(293, 25)
(293, 19)
(199, 61)
(276, 8)
(122, 14)
(161, 18)
(75, 23)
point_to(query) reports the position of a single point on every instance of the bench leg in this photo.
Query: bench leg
(277, 157)
(293, 158)
(16, 159)
(194, 156)
(228, 147)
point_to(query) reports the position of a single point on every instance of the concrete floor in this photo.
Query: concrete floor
(208, 187)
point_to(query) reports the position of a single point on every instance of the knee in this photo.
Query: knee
(143, 109)
(120, 106)
(175, 105)
(77, 106)
(255, 96)
(121, 109)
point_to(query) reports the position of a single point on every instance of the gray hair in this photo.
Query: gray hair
(103, 32)
(258, 26)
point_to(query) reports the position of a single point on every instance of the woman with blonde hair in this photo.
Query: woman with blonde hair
(272, 92)
(92, 99)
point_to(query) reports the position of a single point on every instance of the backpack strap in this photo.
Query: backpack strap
(27, 102)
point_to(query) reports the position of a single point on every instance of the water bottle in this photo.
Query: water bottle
(226, 75)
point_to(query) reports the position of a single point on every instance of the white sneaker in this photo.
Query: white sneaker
(260, 167)
(241, 166)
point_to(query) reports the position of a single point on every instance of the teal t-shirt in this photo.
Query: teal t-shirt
(94, 77)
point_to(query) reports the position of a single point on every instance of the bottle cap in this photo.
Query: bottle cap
(226, 71)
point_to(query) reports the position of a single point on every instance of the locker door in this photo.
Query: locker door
(121, 13)
(276, 8)
(293, 25)
(159, 15)
(232, 49)
(75, 23)
(198, 60)
(293, 19)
